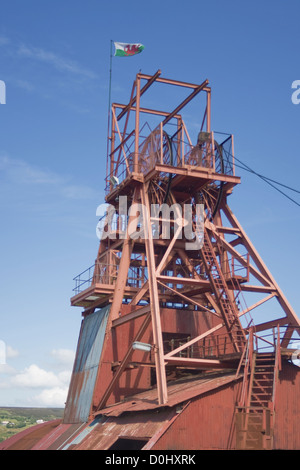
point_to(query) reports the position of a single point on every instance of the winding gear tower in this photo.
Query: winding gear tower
(177, 287)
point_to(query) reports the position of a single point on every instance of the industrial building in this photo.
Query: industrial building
(186, 341)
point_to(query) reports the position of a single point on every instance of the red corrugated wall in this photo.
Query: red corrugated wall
(287, 409)
(206, 423)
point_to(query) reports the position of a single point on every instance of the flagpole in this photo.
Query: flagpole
(109, 96)
(110, 74)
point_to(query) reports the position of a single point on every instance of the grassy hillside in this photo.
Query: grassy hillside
(13, 420)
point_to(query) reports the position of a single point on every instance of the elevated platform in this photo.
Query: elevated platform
(186, 179)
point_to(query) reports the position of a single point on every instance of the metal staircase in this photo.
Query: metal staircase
(228, 308)
(256, 411)
(262, 380)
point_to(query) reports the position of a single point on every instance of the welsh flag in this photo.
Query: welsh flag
(126, 50)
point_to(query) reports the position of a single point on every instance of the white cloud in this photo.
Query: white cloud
(71, 75)
(6, 369)
(63, 356)
(11, 353)
(38, 386)
(64, 377)
(55, 396)
(54, 387)
(34, 376)
(74, 73)
(23, 173)
(60, 63)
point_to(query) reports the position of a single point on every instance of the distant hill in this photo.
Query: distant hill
(15, 419)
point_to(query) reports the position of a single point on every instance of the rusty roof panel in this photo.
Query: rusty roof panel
(76, 440)
(179, 391)
(58, 437)
(139, 426)
(27, 439)
(86, 366)
(50, 437)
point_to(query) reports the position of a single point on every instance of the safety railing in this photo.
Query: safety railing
(83, 280)
(214, 346)
(174, 150)
(101, 273)
(246, 360)
(270, 342)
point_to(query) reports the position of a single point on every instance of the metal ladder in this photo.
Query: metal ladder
(255, 421)
(255, 414)
(227, 307)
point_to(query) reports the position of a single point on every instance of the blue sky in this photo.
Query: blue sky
(54, 60)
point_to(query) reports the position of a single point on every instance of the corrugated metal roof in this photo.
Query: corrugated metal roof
(179, 391)
(27, 439)
(86, 366)
(56, 439)
(106, 431)
(82, 435)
